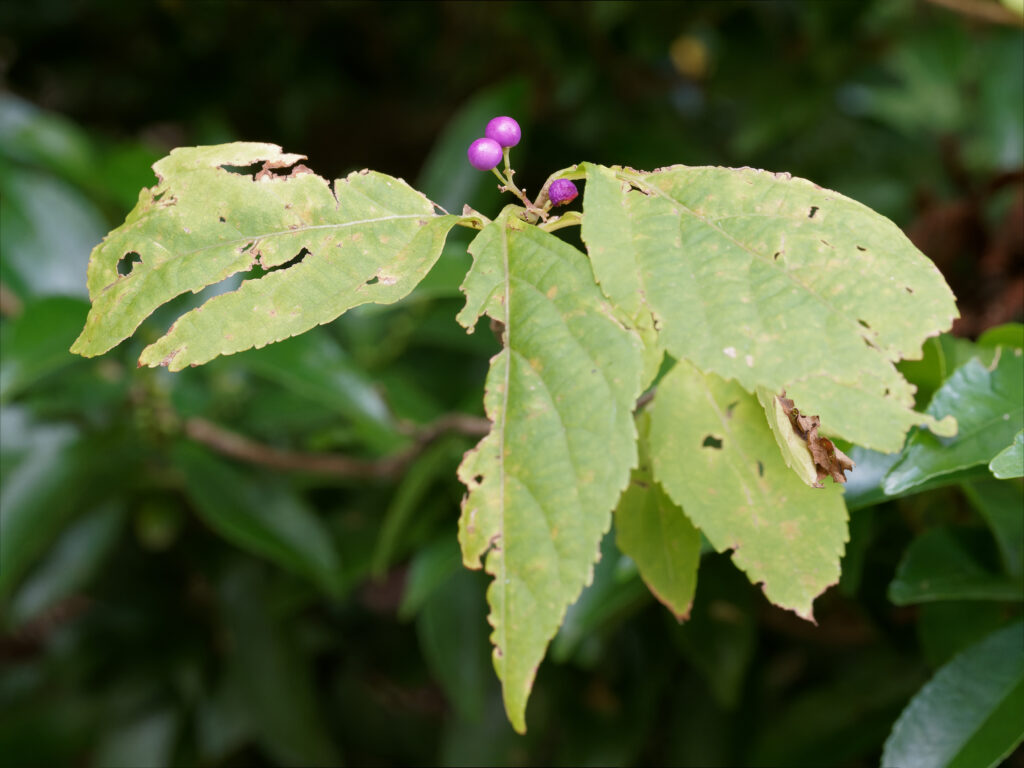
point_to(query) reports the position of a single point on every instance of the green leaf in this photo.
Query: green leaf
(838, 715)
(260, 516)
(1009, 462)
(720, 637)
(942, 355)
(659, 537)
(971, 714)
(314, 366)
(71, 562)
(774, 282)
(866, 484)
(1005, 335)
(271, 675)
(408, 500)
(793, 447)
(614, 592)
(716, 457)
(143, 740)
(39, 257)
(988, 404)
(429, 570)
(42, 468)
(945, 628)
(944, 564)
(543, 483)
(453, 639)
(35, 343)
(325, 249)
(1001, 504)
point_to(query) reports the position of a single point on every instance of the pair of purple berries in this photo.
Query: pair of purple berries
(503, 132)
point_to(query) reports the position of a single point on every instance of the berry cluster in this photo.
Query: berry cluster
(486, 153)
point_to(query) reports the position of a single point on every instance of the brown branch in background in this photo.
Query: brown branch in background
(10, 304)
(237, 446)
(985, 10)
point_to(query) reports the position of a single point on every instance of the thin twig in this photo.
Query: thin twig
(985, 10)
(237, 446)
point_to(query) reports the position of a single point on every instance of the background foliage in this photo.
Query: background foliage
(163, 603)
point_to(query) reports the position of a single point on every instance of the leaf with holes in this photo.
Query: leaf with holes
(716, 457)
(774, 282)
(220, 210)
(543, 483)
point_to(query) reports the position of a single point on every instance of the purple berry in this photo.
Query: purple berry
(484, 154)
(562, 191)
(504, 130)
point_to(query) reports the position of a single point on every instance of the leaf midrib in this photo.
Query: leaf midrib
(302, 229)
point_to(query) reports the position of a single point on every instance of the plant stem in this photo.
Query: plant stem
(510, 186)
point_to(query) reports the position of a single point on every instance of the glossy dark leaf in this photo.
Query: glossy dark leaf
(988, 404)
(36, 342)
(260, 515)
(971, 714)
(944, 564)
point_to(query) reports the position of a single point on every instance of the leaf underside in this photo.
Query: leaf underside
(543, 483)
(715, 456)
(774, 282)
(220, 210)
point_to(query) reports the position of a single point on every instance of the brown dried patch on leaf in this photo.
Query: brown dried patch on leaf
(274, 169)
(829, 461)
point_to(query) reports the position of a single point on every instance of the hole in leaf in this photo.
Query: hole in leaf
(478, 479)
(814, 210)
(776, 255)
(222, 219)
(861, 248)
(244, 170)
(760, 469)
(710, 441)
(729, 408)
(127, 263)
(863, 323)
(158, 196)
(373, 280)
(297, 259)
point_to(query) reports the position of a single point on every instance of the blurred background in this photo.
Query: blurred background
(163, 604)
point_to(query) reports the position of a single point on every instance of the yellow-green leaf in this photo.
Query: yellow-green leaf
(716, 457)
(543, 483)
(220, 210)
(774, 282)
(656, 533)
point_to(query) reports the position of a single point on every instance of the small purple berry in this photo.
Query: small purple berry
(562, 191)
(504, 130)
(484, 154)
